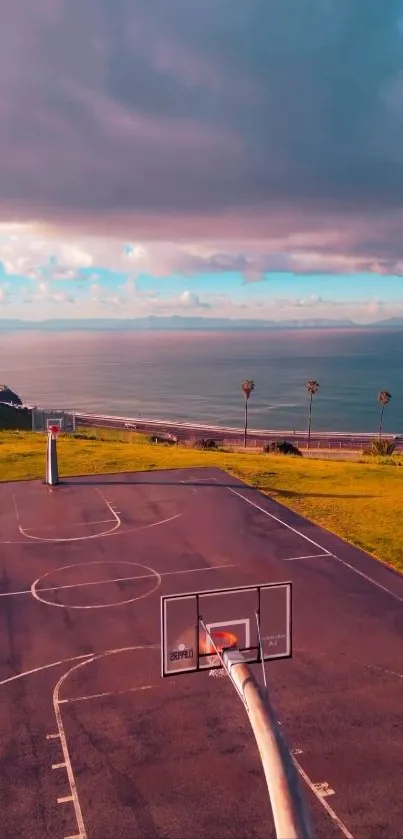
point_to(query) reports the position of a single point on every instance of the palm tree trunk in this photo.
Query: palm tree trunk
(309, 421)
(246, 423)
(381, 421)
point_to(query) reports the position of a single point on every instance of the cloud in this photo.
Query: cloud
(188, 299)
(4, 296)
(201, 121)
(341, 250)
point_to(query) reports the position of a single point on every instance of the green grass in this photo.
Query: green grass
(360, 501)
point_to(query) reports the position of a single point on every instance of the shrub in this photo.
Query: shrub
(206, 443)
(282, 447)
(13, 417)
(158, 438)
(381, 448)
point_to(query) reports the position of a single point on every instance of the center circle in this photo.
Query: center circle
(84, 578)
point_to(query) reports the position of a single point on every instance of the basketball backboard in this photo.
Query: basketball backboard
(44, 418)
(195, 624)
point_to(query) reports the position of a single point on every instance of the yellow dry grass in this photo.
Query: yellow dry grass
(361, 501)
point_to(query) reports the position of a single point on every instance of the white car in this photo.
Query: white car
(130, 425)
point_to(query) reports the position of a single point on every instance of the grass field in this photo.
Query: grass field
(361, 501)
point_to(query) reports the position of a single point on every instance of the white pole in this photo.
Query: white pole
(290, 812)
(52, 471)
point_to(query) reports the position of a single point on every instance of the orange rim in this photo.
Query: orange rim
(221, 640)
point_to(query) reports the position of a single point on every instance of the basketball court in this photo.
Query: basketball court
(99, 738)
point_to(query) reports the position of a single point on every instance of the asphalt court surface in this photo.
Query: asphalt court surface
(94, 743)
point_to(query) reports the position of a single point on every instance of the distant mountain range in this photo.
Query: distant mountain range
(178, 322)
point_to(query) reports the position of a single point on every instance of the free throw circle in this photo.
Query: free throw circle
(81, 580)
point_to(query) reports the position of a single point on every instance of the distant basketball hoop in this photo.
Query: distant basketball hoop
(54, 430)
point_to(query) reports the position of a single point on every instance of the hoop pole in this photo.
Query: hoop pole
(52, 470)
(288, 805)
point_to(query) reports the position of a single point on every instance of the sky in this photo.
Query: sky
(218, 158)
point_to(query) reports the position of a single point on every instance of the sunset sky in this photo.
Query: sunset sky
(207, 157)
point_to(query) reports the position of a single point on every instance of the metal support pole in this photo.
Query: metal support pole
(52, 471)
(289, 809)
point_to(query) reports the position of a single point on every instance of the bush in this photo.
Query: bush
(158, 438)
(381, 448)
(206, 443)
(282, 447)
(15, 418)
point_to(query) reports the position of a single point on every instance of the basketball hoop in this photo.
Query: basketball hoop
(54, 430)
(219, 640)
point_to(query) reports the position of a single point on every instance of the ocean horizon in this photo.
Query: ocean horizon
(196, 377)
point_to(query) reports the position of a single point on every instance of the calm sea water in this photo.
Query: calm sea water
(197, 376)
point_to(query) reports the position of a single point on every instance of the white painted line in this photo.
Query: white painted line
(35, 591)
(89, 657)
(275, 518)
(64, 799)
(380, 669)
(194, 570)
(63, 739)
(117, 526)
(120, 579)
(58, 765)
(77, 524)
(45, 667)
(368, 578)
(312, 556)
(48, 736)
(323, 802)
(74, 795)
(326, 552)
(106, 693)
(113, 532)
(324, 789)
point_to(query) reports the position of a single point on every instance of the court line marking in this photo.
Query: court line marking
(312, 556)
(40, 669)
(118, 579)
(58, 765)
(112, 532)
(59, 663)
(335, 818)
(79, 524)
(283, 523)
(106, 693)
(118, 524)
(327, 553)
(366, 664)
(368, 578)
(379, 668)
(66, 755)
(154, 574)
(64, 799)
(62, 733)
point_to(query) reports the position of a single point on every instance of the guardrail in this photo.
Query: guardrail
(210, 430)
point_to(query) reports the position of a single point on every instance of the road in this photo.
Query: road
(96, 745)
(186, 431)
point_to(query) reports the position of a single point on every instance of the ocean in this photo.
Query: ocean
(196, 376)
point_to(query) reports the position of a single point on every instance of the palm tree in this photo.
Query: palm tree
(312, 387)
(384, 397)
(247, 386)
